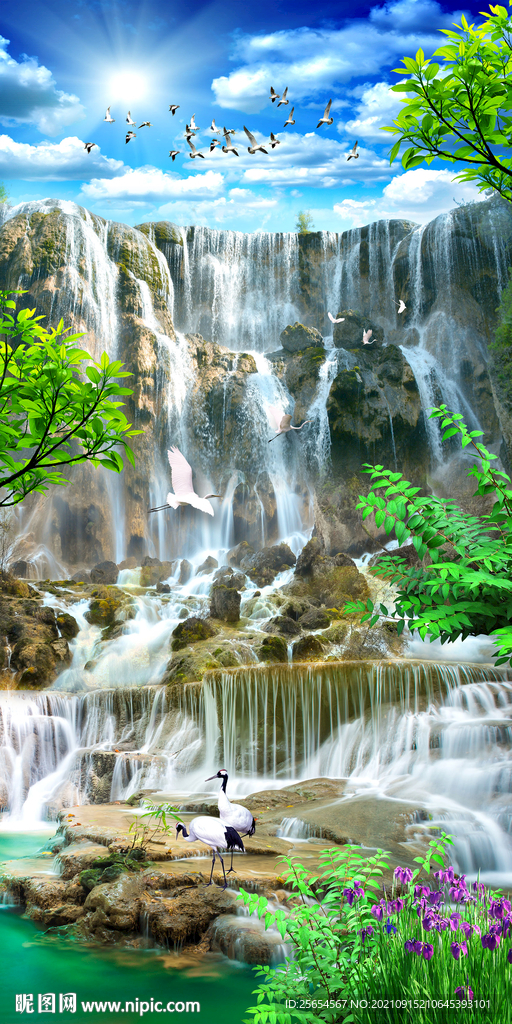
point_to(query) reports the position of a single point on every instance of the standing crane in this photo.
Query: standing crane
(233, 814)
(215, 834)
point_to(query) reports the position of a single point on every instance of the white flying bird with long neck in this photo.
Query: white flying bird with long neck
(282, 422)
(108, 118)
(366, 337)
(333, 321)
(129, 119)
(184, 493)
(401, 306)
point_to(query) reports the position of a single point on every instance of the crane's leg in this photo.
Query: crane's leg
(211, 872)
(231, 868)
(224, 870)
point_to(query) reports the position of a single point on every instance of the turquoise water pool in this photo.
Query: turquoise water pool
(37, 964)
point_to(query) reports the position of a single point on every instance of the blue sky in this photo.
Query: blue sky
(62, 63)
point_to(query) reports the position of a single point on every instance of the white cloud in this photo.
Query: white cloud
(311, 159)
(152, 185)
(28, 95)
(312, 61)
(240, 205)
(377, 106)
(50, 161)
(418, 195)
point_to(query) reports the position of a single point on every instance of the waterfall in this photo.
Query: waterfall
(437, 736)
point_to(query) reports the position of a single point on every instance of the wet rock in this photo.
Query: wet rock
(245, 939)
(349, 334)
(105, 606)
(311, 554)
(210, 563)
(282, 624)
(242, 550)
(330, 585)
(68, 625)
(308, 648)
(148, 560)
(264, 566)
(105, 573)
(19, 568)
(81, 577)
(230, 578)
(35, 663)
(128, 563)
(192, 630)
(163, 588)
(154, 571)
(297, 337)
(225, 603)
(61, 651)
(78, 857)
(115, 905)
(186, 915)
(273, 649)
(186, 571)
(316, 618)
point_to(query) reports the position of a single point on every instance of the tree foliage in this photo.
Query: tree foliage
(502, 345)
(460, 109)
(304, 223)
(55, 411)
(467, 587)
(4, 195)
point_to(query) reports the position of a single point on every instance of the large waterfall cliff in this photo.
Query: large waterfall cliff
(197, 316)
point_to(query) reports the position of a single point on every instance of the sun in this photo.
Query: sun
(128, 85)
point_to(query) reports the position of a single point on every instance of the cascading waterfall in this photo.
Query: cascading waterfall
(433, 735)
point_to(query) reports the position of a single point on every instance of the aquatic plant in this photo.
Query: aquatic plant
(432, 945)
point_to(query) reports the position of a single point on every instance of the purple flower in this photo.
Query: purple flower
(445, 875)
(435, 898)
(468, 928)
(460, 992)
(421, 890)
(455, 918)
(418, 946)
(390, 927)
(409, 946)
(457, 948)
(499, 908)
(429, 922)
(404, 875)
(443, 924)
(400, 904)
(509, 956)
(353, 894)
(506, 928)
(479, 888)
(491, 939)
(459, 893)
(366, 932)
(378, 911)
(427, 951)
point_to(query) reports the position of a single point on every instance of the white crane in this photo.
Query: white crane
(215, 834)
(401, 305)
(233, 814)
(184, 494)
(281, 422)
(366, 337)
(333, 321)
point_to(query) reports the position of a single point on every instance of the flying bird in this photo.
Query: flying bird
(228, 131)
(333, 321)
(273, 95)
(290, 117)
(215, 834)
(184, 493)
(281, 422)
(353, 152)
(401, 305)
(213, 143)
(193, 125)
(108, 117)
(273, 141)
(189, 135)
(130, 136)
(174, 153)
(129, 119)
(283, 99)
(194, 152)
(146, 124)
(326, 119)
(213, 126)
(229, 147)
(233, 814)
(366, 337)
(88, 146)
(173, 108)
(255, 146)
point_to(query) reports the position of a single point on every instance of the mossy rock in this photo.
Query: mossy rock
(337, 633)
(191, 631)
(308, 648)
(273, 649)
(68, 625)
(105, 605)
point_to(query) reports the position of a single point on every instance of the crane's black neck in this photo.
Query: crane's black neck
(181, 828)
(224, 783)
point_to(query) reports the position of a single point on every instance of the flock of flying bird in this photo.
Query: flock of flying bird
(228, 147)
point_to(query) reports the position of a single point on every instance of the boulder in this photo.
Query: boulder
(105, 572)
(308, 648)
(128, 563)
(225, 603)
(186, 571)
(264, 566)
(273, 649)
(81, 577)
(298, 337)
(148, 560)
(282, 624)
(163, 588)
(191, 631)
(68, 625)
(315, 618)
(349, 333)
(154, 571)
(106, 603)
(210, 563)
(230, 578)
(235, 555)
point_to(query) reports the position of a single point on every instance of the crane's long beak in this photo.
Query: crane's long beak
(158, 508)
(211, 777)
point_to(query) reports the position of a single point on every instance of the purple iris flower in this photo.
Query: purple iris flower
(409, 946)
(461, 991)
(378, 911)
(499, 908)
(506, 928)
(479, 888)
(458, 948)
(468, 928)
(421, 890)
(390, 927)
(353, 894)
(429, 922)
(443, 924)
(404, 875)
(427, 951)
(455, 918)
(400, 904)
(509, 956)
(445, 875)
(458, 893)
(490, 940)
(418, 946)
(366, 932)
(435, 898)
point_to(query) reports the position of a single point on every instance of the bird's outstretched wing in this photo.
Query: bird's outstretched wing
(250, 136)
(285, 421)
(275, 415)
(327, 109)
(181, 472)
